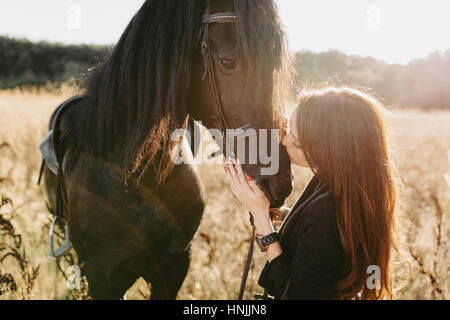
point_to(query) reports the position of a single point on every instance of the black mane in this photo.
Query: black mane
(138, 96)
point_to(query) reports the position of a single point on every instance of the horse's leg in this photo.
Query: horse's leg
(114, 287)
(148, 228)
(166, 285)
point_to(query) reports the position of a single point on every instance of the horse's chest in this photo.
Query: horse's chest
(102, 210)
(184, 196)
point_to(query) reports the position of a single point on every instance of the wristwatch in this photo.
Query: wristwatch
(264, 242)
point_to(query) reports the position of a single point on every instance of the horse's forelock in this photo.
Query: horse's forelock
(262, 47)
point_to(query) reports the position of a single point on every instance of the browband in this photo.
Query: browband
(225, 17)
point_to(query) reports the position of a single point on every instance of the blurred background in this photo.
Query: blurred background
(399, 50)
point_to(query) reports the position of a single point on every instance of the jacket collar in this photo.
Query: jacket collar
(311, 191)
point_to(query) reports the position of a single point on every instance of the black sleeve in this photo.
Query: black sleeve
(317, 257)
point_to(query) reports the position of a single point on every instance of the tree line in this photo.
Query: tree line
(423, 83)
(26, 63)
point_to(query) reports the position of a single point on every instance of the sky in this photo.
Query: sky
(396, 31)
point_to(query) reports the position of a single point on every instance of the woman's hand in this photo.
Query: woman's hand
(250, 195)
(252, 198)
(245, 189)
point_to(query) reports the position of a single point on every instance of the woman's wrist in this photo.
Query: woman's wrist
(263, 223)
(264, 227)
(274, 250)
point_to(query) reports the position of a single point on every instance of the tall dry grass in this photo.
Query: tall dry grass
(420, 141)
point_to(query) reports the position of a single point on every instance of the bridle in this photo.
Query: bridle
(208, 65)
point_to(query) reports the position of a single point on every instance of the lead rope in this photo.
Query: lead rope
(248, 260)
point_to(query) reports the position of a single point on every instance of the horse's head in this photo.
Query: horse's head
(233, 85)
(156, 76)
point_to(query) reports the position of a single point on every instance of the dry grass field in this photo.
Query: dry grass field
(420, 142)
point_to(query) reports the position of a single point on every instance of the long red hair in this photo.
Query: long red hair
(342, 134)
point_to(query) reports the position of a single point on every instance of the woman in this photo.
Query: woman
(343, 223)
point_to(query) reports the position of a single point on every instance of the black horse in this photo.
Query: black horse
(131, 212)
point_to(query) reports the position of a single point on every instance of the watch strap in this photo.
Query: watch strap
(266, 241)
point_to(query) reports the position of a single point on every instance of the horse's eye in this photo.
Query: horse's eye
(228, 63)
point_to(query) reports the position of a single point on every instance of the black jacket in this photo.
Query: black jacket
(312, 256)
